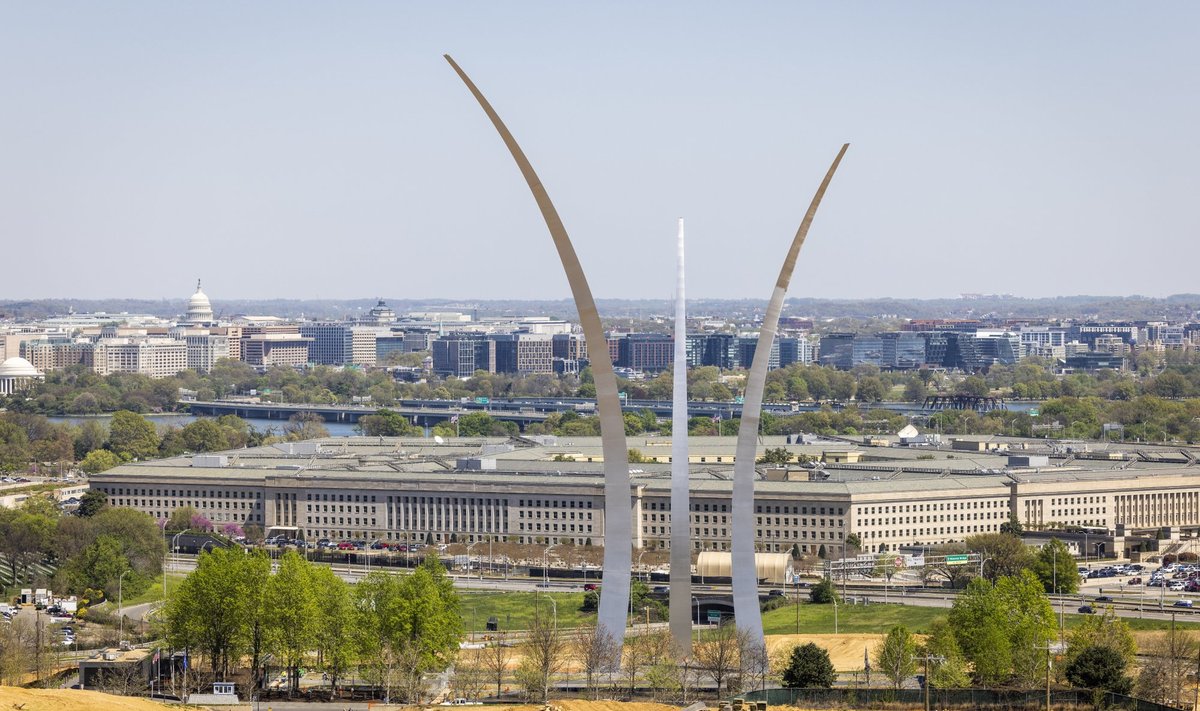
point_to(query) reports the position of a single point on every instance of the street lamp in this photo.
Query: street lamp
(554, 606)
(546, 566)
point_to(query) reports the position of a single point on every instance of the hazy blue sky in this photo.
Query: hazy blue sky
(326, 149)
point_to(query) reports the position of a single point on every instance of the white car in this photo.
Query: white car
(1176, 586)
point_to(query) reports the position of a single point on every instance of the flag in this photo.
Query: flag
(453, 419)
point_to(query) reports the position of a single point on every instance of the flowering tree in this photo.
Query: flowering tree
(200, 523)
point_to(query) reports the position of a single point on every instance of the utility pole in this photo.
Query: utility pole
(927, 659)
(1047, 647)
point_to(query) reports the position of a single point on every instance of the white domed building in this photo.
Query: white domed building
(199, 310)
(17, 374)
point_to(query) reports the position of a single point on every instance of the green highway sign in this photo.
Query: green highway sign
(958, 559)
(482, 400)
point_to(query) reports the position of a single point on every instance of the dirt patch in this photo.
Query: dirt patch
(578, 705)
(845, 650)
(73, 700)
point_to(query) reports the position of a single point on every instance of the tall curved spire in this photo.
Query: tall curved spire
(618, 515)
(746, 608)
(680, 610)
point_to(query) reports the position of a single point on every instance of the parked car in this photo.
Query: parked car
(345, 546)
(1134, 581)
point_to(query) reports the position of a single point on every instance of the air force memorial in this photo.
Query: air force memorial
(618, 536)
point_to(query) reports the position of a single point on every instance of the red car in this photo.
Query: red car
(345, 546)
(588, 587)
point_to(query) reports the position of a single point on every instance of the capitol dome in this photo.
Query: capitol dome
(199, 310)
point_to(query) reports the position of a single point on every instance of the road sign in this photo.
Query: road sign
(482, 400)
(958, 559)
(1034, 412)
(740, 400)
(623, 395)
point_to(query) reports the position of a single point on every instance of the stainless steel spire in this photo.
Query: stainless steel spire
(681, 539)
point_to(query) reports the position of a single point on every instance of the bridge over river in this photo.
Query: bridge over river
(523, 411)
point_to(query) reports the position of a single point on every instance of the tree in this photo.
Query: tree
(305, 425)
(334, 623)
(896, 657)
(823, 592)
(809, 667)
(24, 536)
(718, 654)
(1166, 667)
(871, 389)
(99, 460)
(1055, 566)
(90, 504)
(131, 436)
(292, 611)
(386, 423)
(951, 671)
(778, 456)
(181, 518)
(545, 655)
(1004, 554)
(207, 611)
(14, 447)
(1102, 630)
(595, 650)
(1101, 668)
(495, 660)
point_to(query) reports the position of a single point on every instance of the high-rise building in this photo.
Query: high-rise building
(460, 355)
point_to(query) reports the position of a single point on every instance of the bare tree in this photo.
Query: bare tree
(469, 678)
(718, 655)
(124, 680)
(1170, 660)
(545, 652)
(596, 651)
(495, 660)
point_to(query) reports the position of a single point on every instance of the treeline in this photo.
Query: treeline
(28, 439)
(78, 391)
(388, 630)
(87, 552)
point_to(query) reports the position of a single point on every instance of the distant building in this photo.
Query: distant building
(152, 357)
(380, 315)
(265, 346)
(460, 355)
(524, 353)
(336, 343)
(199, 310)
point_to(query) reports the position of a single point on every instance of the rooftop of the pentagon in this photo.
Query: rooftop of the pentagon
(872, 462)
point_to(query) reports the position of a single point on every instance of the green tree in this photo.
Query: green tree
(204, 435)
(809, 667)
(292, 613)
(1055, 566)
(207, 612)
(775, 455)
(99, 460)
(1004, 554)
(896, 657)
(304, 425)
(871, 389)
(90, 504)
(24, 536)
(386, 423)
(1100, 667)
(823, 593)
(99, 567)
(1102, 630)
(978, 623)
(14, 447)
(951, 671)
(334, 623)
(131, 436)
(181, 518)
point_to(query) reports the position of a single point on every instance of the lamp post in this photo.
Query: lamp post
(546, 566)
(120, 613)
(470, 545)
(554, 606)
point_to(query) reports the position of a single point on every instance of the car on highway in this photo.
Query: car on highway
(1086, 610)
(588, 587)
(1103, 598)
(1183, 603)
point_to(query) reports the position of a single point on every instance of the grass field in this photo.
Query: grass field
(879, 618)
(515, 610)
(154, 593)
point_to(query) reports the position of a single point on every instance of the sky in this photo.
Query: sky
(326, 150)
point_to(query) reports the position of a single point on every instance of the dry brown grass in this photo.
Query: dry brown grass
(73, 700)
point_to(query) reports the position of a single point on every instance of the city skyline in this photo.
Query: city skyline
(1017, 149)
